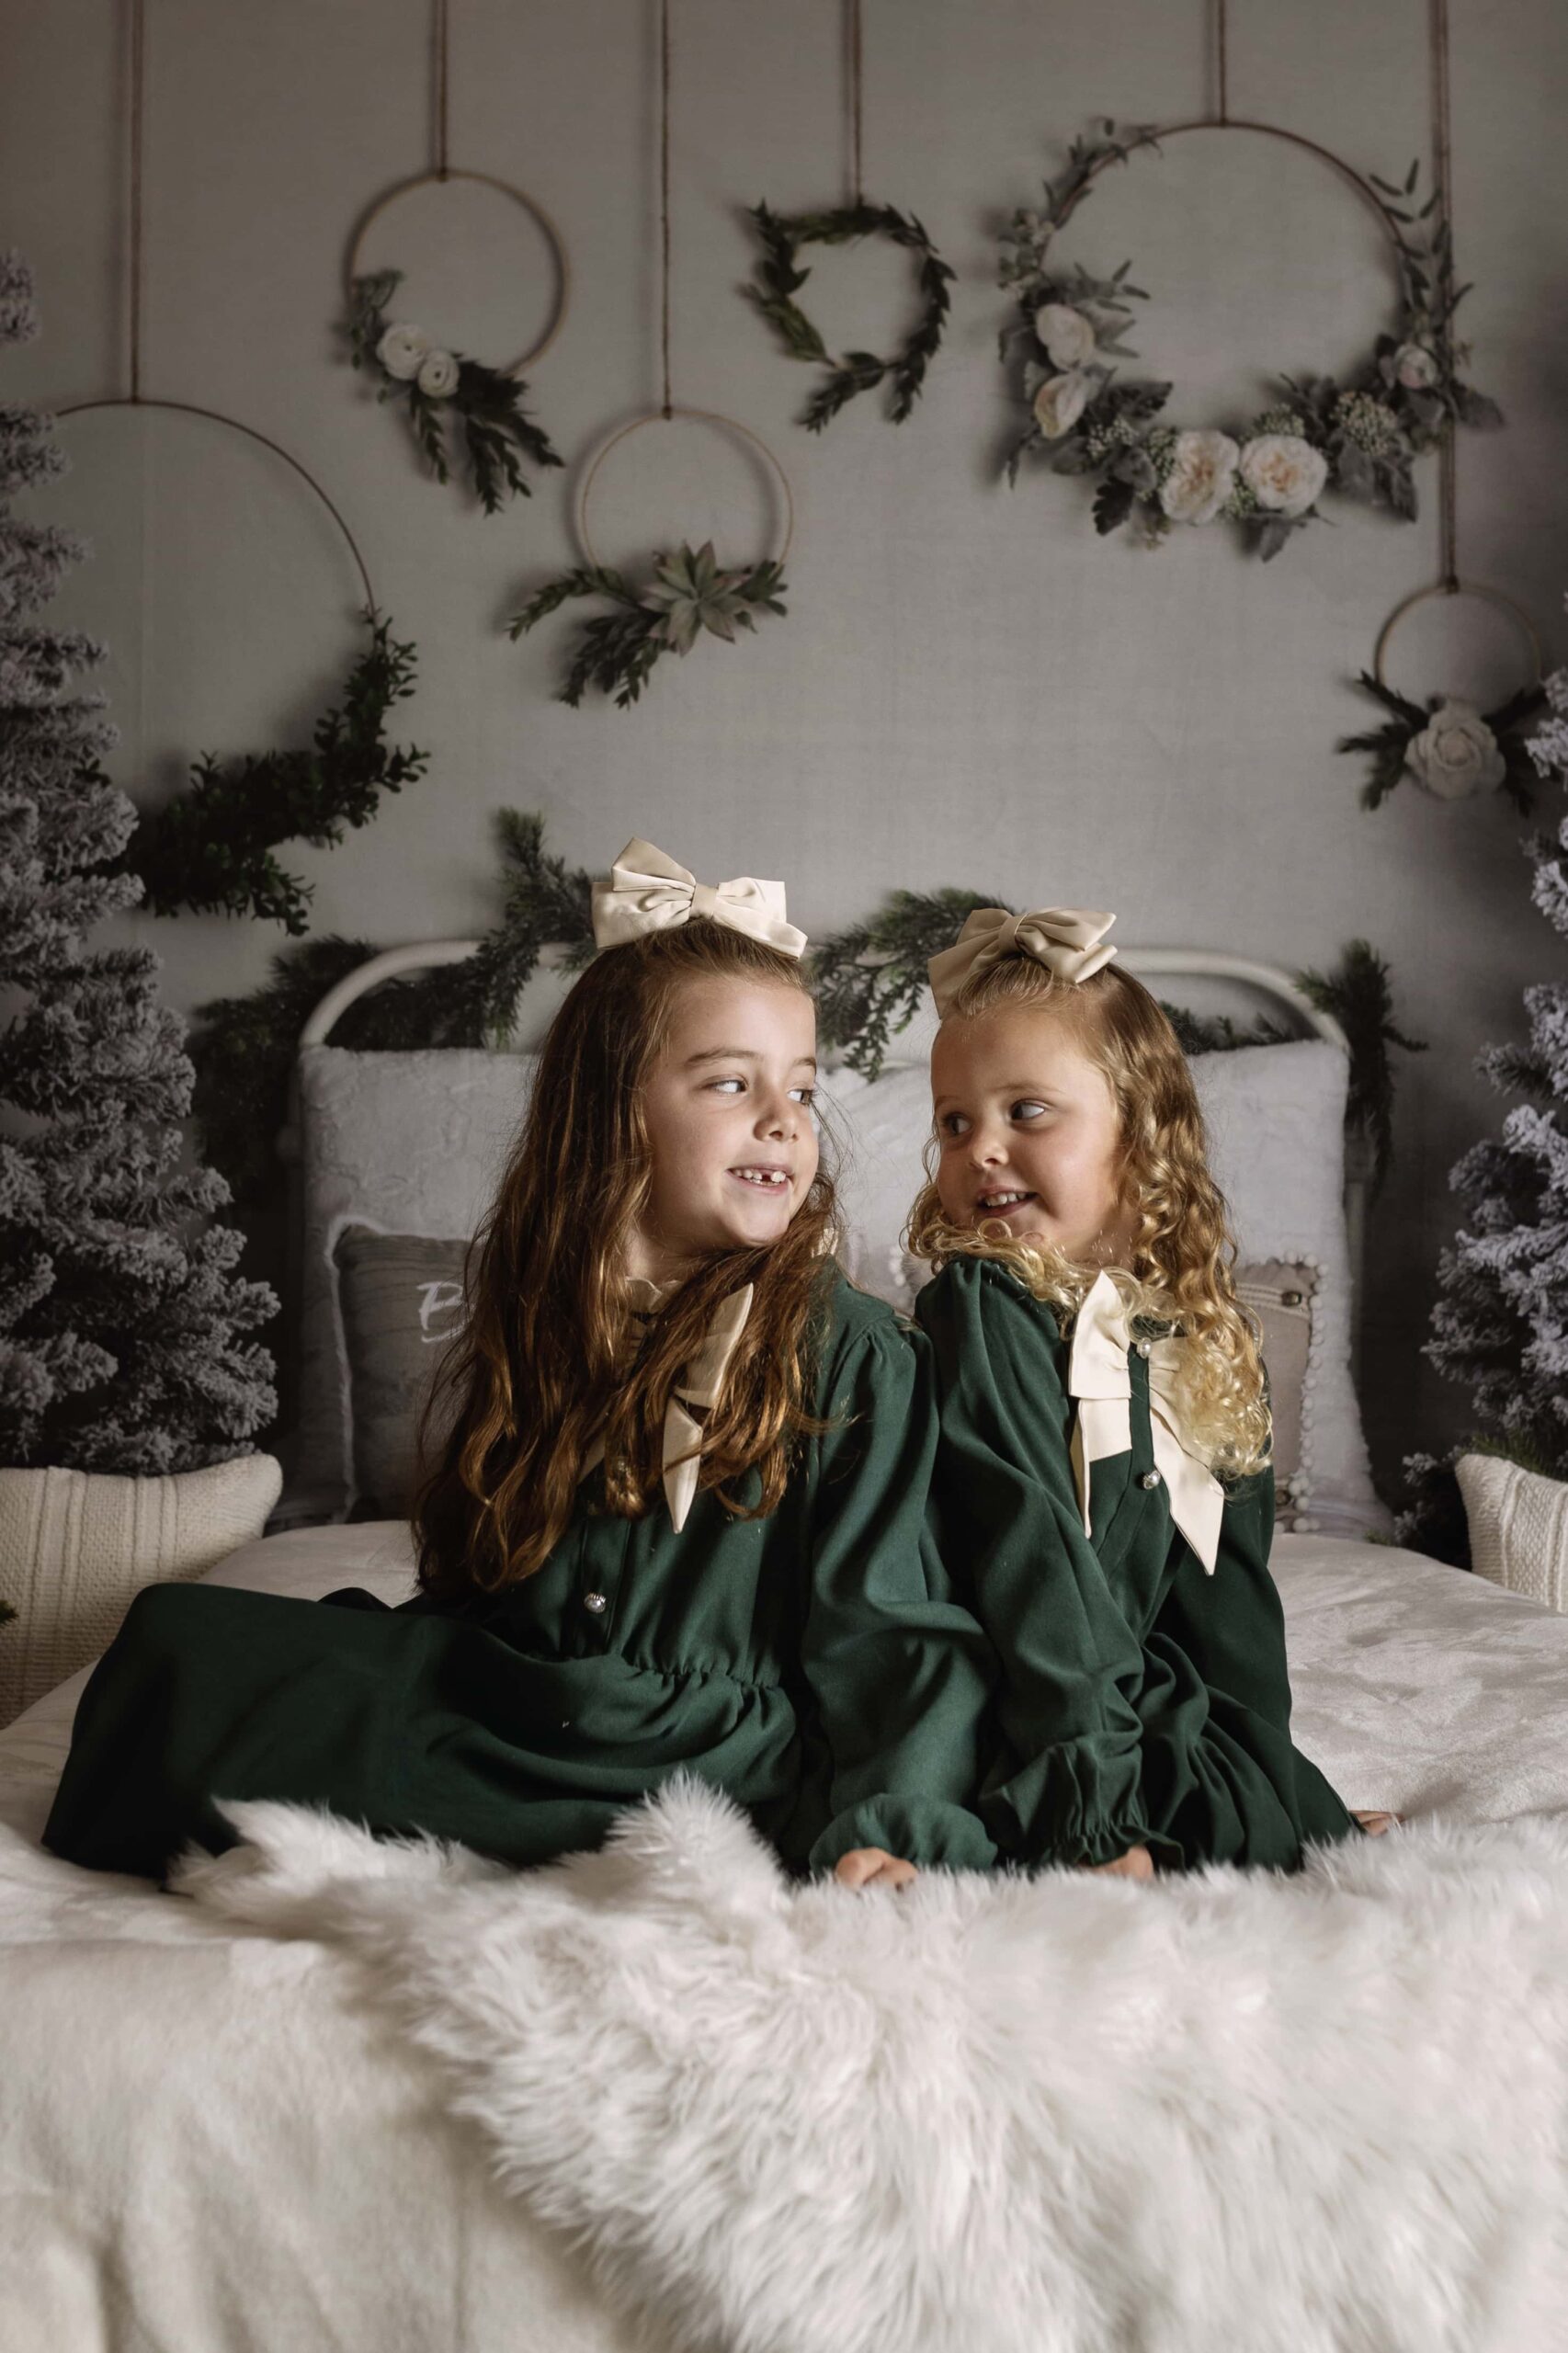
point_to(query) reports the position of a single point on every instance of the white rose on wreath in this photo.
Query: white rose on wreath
(1456, 753)
(1067, 333)
(1416, 368)
(438, 376)
(1061, 402)
(1283, 472)
(402, 351)
(1202, 478)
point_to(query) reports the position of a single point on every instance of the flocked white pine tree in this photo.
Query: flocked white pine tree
(1500, 1325)
(121, 1321)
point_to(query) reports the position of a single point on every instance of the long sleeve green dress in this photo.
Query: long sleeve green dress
(1140, 1699)
(810, 1664)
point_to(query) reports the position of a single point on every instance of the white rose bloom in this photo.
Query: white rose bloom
(1203, 475)
(1416, 367)
(438, 376)
(1067, 333)
(1456, 753)
(401, 350)
(1283, 472)
(1059, 402)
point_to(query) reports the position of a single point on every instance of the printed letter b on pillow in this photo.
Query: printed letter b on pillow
(1519, 1528)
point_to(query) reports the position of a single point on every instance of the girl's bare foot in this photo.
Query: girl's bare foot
(1375, 1820)
(872, 1867)
(1137, 1863)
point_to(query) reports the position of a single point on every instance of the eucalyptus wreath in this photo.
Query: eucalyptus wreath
(1449, 745)
(779, 279)
(438, 386)
(1358, 439)
(687, 595)
(870, 979)
(211, 847)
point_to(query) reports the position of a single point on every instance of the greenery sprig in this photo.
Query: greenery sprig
(689, 594)
(1448, 747)
(211, 847)
(1358, 439)
(439, 385)
(870, 978)
(244, 1048)
(779, 279)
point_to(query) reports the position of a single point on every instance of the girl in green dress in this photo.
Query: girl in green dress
(1104, 1467)
(674, 1518)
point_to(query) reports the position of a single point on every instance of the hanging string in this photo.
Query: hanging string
(665, 195)
(138, 89)
(442, 62)
(1222, 58)
(855, 54)
(1442, 151)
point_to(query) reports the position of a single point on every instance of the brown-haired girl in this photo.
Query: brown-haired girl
(676, 1521)
(1104, 1458)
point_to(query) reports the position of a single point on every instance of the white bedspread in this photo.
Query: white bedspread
(207, 2146)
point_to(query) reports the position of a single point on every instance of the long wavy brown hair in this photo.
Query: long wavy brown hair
(1184, 1251)
(540, 1367)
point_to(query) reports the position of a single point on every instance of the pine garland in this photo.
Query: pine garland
(779, 279)
(211, 847)
(871, 977)
(244, 1051)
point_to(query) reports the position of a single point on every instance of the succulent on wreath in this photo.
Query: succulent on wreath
(1447, 745)
(779, 279)
(443, 390)
(1358, 439)
(687, 595)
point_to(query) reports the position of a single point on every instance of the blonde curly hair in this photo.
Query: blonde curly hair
(1184, 1251)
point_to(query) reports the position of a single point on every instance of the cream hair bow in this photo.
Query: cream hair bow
(648, 891)
(1065, 939)
(700, 1385)
(1101, 1385)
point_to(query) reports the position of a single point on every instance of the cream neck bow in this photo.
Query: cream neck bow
(648, 891)
(1066, 940)
(700, 1385)
(1100, 1383)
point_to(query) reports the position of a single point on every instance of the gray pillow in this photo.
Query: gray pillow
(401, 1296)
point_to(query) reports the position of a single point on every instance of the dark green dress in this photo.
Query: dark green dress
(1140, 1699)
(810, 1663)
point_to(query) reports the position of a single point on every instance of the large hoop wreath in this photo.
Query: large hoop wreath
(1358, 439)
(779, 279)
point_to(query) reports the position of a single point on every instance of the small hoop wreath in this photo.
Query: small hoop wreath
(779, 279)
(1447, 745)
(1358, 439)
(437, 383)
(677, 598)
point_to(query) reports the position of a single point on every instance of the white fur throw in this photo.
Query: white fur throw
(1321, 2114)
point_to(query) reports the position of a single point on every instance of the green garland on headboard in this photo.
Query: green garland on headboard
(870, 979)
(871, 976)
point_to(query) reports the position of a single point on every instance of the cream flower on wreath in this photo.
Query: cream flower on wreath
(402, 351)
(1067, 333)
(1416, 367)
(438, 376)
(1456, 753)
(1061, 402)
(1203, 475)
(1283, 472)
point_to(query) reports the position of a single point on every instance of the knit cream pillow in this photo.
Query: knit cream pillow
(1519, 1528)
(75, 1547)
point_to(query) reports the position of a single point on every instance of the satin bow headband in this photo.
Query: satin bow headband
(1066, 940)
(648, 891)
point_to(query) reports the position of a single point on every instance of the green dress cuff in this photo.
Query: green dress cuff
(929, 1835)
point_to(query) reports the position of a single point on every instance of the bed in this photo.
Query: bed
(212, 2141)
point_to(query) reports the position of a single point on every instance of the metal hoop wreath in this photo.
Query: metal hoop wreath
(695, 415)
(518, 196)
(1483, 594)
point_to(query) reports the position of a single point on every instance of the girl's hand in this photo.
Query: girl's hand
(1137, 1863)
(1375, 1820)
(871, 1867)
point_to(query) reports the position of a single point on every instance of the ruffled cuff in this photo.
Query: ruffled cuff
(1076, 1803)
(934, 1834)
